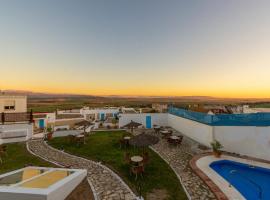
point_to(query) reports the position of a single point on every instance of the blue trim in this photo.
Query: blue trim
(148, 121)
(253, 119)
(102, 116)
(41, 123)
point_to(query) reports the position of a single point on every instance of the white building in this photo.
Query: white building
(13, 103)
(99, 113)
(160, 107)
(15, 123)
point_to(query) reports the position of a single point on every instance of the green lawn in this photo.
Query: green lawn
(18, 157)
(104, 147)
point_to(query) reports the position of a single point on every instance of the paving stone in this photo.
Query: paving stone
(105, 183)
(178, 158)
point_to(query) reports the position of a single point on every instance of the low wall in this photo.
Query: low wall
(160, 119)
(199, 132)
(252, 141)
(10, 133)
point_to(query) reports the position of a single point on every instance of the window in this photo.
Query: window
(9, 105)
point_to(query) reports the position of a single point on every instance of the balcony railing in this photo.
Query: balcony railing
(253, 119)
(16, 117)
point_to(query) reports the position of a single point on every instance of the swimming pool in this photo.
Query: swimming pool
(252, 182)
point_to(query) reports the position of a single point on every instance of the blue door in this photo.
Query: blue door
(148, 122)
(41, 123)
(102, 116)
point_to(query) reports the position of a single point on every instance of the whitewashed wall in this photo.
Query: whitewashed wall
(199, 132)
(160, 119)
(15, 130)
(245, 140)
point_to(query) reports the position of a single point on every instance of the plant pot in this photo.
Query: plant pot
(49, 136)
(217, 154)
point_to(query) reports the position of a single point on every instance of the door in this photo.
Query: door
(148, 122)
(102, 116)
(41, 123)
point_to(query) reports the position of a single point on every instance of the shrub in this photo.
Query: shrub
(216, 146)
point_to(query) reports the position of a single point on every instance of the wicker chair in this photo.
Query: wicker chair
(145, 158)
(127, 159)
(137, 170)
(122, 143)
(3, 152)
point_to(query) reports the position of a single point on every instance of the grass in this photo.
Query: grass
(18, 157)
(104, 147)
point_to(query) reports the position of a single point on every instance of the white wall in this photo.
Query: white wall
(246, 140)
(160, 119)
(202, 133)
(15, 130)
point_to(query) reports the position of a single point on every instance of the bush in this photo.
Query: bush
(216, 146)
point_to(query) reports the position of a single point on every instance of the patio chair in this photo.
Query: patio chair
(122, 143)
(3, 152)
(127, 159)
(71, 138)
(137, 170)
(145, 158)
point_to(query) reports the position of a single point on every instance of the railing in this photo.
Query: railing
(16, 117)
(253, 119)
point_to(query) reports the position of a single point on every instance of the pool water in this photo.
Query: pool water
(251, 181)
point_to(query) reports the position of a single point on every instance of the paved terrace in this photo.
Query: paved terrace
(178, 158)
(106, 184)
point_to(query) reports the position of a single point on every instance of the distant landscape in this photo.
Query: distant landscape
(46, 102)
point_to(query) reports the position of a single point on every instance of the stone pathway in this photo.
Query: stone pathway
(107, 185)
(178, 158)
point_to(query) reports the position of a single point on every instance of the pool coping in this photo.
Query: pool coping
(213, 187)
(203, 173)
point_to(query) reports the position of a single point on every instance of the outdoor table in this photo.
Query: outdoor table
(176, 140)
(136, 159)
(127, 138)
(80, 138)
(164, 131)
(174, 137)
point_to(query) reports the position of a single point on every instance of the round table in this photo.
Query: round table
(164, 131)
(174, 137)
(136, 159)
(127, 138)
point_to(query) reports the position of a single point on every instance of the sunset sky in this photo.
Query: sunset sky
(136, 47)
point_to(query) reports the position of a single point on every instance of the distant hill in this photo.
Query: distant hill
(31, 94)
(149, 99)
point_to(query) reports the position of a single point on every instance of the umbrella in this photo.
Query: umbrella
(132, 125)
(144, 140)
(84, 123)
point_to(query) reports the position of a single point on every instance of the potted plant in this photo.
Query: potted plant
(49, 133)
(216, 146)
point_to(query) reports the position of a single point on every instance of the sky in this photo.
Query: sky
(136, 47)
